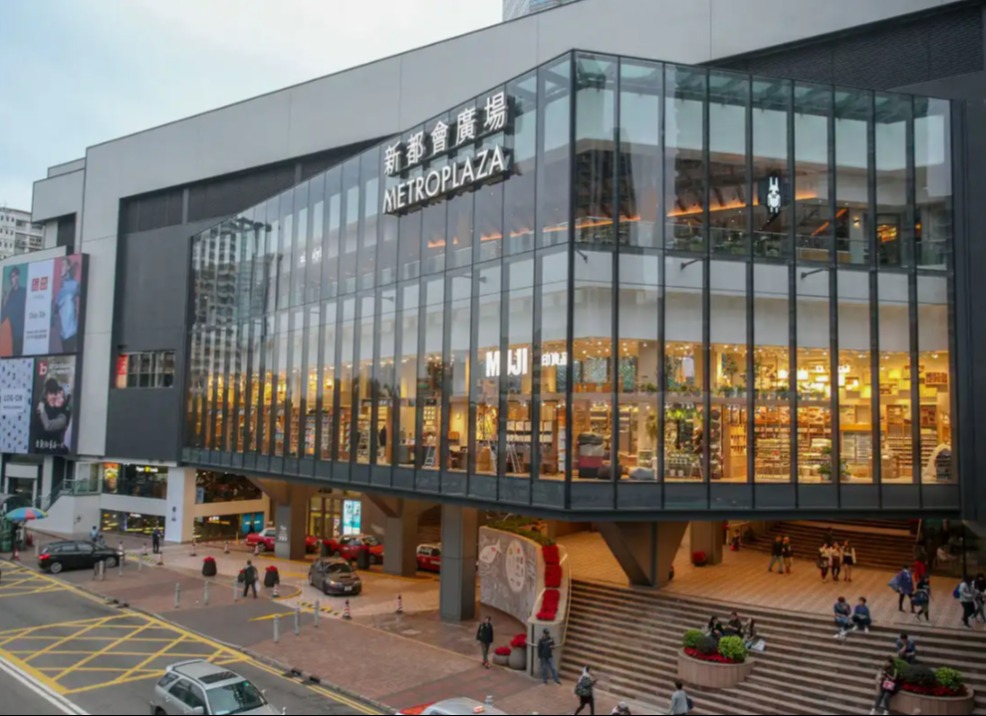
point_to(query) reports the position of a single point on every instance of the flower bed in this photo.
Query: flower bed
(931, 691)
(549, 605)
(716, 658)
(703, 661)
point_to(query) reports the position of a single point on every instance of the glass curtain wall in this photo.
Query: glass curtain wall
(725, 279)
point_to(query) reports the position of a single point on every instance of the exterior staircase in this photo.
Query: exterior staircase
(881, 547)
(632, 638)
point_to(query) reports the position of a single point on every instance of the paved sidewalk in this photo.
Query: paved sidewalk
(399, 660)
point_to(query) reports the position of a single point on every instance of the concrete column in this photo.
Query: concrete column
(291, 522)
(708, 537)
(400, 547)
(460, 540)
(179, 519)
(645, 550)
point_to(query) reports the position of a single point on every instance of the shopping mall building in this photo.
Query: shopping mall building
(632, 262)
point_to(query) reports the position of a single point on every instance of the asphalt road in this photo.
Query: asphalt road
(79, 655)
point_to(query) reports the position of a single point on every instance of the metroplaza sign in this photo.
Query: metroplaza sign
(453, 177)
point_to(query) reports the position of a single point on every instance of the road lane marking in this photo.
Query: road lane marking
(40, 689)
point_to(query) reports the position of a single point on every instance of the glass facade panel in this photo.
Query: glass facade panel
(785, 322)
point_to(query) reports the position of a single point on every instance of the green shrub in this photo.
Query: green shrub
(901, 667)
(707, 645)
(692, 638)
(521, 527)
(949, 678)
(918, 675)
(733, 648)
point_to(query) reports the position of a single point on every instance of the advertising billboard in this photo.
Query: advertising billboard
(16, 382)
(41, 306)
(53, 410)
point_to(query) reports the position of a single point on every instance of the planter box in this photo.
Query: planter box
(501, 660)
(712, 675)
(518, 658)
(904, 702)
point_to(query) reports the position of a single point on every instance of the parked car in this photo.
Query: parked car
(57, 556)
(454, 706)
(199, 687)
(430, 557)
(267, 538)
(349, 546)
(335, 577)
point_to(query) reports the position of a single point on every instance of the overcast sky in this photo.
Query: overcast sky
(79, 72)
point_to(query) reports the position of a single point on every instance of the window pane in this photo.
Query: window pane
(729, 98)
(349, 245)
(386, 382)
(934, 381)
(521, 188)
(460, 295)
(813, 379)
(933, 181)
(855, 378)
(316, 200)
(520, 352)
(333, 236)
(896, 421)
(487, 366)
(595, 121)
(347, 343)
(893, 233)
(640, 152)
(772, 182)
(853, 111)
(370, 198)
(812, 211)
(364, 380)
(328, 380)
(771, 374)
(684, 174)
(431, 374)
(408, 373)
(554, 150)
(730, 381)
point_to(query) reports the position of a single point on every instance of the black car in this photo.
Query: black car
(57, 556)
(335, 577)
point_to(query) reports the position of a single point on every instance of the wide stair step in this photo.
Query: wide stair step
(632, 639)
(873, 549)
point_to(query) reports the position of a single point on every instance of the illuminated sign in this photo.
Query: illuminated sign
(518, 360)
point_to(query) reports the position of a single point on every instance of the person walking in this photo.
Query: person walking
(966, 594)
(585, 690)
(546, 655)
(903, 584)
(861, 618)
(681, 703)
(621, 709)
(848, 559)
(777, 555)
(93, 533)
(249, 579)
(886, 681)
(484, 635)
(824, 561)
(156, 541)
(835, 560)
(787, 552)
(922, 598)
(979, 588)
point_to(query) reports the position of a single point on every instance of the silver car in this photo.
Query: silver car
(199, 687)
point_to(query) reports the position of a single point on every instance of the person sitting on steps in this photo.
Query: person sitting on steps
(842, 612)
(861, 618)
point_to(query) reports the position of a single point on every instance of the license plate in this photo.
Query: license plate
(347, 589)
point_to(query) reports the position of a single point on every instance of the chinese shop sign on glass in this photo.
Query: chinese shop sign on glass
(454, 176)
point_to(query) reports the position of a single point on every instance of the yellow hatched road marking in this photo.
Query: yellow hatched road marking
(101, 652)
(77, 635)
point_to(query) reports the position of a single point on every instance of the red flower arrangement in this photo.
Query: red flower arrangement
(550, 554)
(272, 568)
(940, 691)
(519, 641)
(717, 658)
(208, 559)
(552, 576)
(699, 558)
(502, 651)
(549, 605)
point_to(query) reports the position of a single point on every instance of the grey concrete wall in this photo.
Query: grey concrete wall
(58, 196)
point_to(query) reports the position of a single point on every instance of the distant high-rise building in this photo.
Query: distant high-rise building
(519, 8)
(18, 234)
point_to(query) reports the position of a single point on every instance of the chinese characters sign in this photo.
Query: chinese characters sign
(471, 124)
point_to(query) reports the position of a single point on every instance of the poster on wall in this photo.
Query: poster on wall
(41, 307)
(53, 410)
(352, 517)
(16, 379)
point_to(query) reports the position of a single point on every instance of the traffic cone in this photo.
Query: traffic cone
(256, 550)
(226, 547)
(345, 612)
(16, 554)
(400, 605)
(160, 559)
(143, 550)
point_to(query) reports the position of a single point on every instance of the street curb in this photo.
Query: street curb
(302, 676)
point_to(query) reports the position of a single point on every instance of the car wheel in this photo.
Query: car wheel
(56, 567)
(110, 562)
(160, 712)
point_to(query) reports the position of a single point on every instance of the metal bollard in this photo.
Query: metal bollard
(297, 620)
(102, 570)
(205, 594)
(236, 591)
(277, 628)
(119, 561)
(177, 595)
(316, 613)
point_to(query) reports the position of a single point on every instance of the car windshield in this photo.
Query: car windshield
(371, 540)
(235, 698)
(338, 568)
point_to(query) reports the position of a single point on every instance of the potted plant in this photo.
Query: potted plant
(501, 655)
(272, 577)
(699, 558)
(931, 691)
(705, 662)
(518, 653)
(208, 567)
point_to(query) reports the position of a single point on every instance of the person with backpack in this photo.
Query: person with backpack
(584, 689)
(681, 702)
(966, 594)
(886, 681)
(922, 598)
(903, 584)
(546, 655)
(249, 579)
(484, 635)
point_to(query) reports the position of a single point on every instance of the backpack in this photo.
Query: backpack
(584, 687)
(689, 703)
(956, 593)
(241, 577)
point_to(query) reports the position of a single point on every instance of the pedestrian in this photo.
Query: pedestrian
(824, 561)
(906, 648)
(776, 555)
(979, 588)
(966, 594)
(835, 557)
(918, 570)
(886, 681)
(903, 584)
(621, 709)
(681, 702)
(922, 598)
(734, 627)
(93, 533)
(156, 540)
(842, 611)
(787, 552)
(584, 689)
(861, 618)
(735, 541)
(484, 635)
(848, 559)
(250, 579)
(546, 655)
